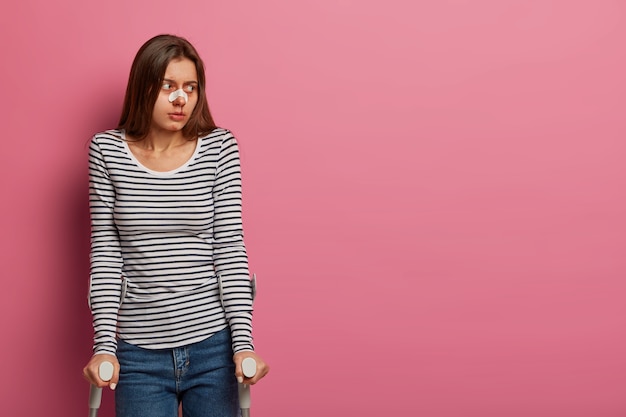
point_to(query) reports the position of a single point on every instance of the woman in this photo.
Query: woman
(170, 290)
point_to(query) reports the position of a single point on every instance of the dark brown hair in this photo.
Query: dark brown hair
(144, 83)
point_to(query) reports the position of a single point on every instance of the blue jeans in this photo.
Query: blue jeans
(201, 376)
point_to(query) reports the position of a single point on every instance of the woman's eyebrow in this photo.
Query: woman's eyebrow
(186, 82)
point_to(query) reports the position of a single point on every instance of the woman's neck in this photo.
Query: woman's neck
(163, 140)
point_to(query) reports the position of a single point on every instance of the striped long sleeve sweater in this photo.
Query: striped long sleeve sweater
(159, 241)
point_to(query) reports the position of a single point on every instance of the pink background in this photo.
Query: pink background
(434, 197)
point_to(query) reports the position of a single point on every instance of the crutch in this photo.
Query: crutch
(106, 373)
(248, 366)
(95, 393)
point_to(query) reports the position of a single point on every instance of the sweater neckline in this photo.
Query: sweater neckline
(159, 173)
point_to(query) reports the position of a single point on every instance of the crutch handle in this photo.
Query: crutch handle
(105, 371)
(248, 366)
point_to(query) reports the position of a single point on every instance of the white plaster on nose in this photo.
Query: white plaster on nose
(179, 93)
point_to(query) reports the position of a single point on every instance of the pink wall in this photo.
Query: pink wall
(434, 197)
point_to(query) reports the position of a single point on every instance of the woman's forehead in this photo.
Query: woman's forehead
(181, 69)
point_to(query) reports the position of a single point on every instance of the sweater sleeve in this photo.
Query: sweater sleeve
(230, 257)
(105, 256)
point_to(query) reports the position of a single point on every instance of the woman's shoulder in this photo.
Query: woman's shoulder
(219, 133)
(218, 137)
(108, 142)
(115, 135)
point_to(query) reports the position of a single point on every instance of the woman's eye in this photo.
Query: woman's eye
(166, 86)
(190, 88)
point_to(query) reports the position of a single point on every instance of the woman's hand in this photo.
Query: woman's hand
(91, 370)
(261, 367)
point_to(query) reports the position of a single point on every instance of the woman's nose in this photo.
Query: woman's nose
(178, 98)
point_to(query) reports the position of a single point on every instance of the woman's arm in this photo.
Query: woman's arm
(105, 256)
(230, 257)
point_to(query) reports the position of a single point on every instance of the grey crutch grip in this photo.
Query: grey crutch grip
(248, 366)
(105, 371)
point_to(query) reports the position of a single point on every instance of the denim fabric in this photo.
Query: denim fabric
(201, 376)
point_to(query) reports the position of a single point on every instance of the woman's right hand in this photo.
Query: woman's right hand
(91, 370)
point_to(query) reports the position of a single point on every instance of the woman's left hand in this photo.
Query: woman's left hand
(261, 367)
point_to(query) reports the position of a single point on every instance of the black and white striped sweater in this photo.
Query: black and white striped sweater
(168, 236)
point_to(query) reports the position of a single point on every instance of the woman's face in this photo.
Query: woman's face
(172, 111)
